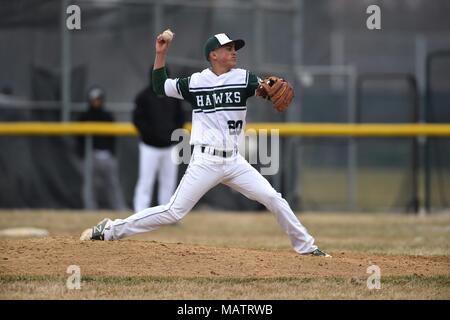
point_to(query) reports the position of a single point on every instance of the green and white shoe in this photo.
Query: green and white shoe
(318, 253)
(97, 232)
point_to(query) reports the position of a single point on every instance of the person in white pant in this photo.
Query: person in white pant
(156, 118)
(154, 164)
(218, 96)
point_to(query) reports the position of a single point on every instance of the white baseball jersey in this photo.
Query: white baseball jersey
(219, 105)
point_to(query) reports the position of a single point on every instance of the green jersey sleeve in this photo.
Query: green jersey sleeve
(159, 77)
(253, 83)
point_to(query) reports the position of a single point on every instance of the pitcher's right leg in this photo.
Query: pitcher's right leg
(248, 181)
(200, 176)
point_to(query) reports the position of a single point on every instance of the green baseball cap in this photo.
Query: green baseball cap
(219, 40)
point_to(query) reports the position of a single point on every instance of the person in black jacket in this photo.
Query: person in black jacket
(155, 119)
(104, 163)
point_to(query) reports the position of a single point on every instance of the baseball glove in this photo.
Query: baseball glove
(277, 90)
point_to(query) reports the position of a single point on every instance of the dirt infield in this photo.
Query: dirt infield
(51, 256)
(219, 255)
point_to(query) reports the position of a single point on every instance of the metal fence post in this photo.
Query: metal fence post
(352, 168)
(65, 65)
(88, 172)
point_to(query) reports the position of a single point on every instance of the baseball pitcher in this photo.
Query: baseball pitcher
(218, 96)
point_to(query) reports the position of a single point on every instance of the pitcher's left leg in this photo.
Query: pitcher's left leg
(248, 181)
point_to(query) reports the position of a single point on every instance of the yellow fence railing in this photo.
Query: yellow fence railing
(285, 129)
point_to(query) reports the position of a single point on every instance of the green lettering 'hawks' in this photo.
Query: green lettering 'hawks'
(217, 101)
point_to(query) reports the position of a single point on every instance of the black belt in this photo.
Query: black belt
(220, 153)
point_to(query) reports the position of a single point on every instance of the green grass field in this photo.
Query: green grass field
(219, 255)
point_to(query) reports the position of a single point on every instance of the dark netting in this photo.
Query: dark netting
(38, 172)
(323, 177)
(438, 149)
(387, 167)
(115, 48)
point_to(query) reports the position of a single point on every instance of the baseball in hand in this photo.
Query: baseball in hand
(167, 35)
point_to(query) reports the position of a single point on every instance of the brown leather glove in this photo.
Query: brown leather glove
(277, 90)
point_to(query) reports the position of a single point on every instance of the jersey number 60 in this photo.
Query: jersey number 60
(235, 127)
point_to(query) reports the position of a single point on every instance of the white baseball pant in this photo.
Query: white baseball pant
(203, 173)
(154, 162)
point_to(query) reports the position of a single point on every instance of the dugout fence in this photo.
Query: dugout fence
(40, 134)
(389, 98)
(437, 151)
(324, 46)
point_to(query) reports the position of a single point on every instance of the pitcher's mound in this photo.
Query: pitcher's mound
(128, 258)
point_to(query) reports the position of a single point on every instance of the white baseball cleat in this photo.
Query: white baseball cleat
(97, 232)
(86, 235)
